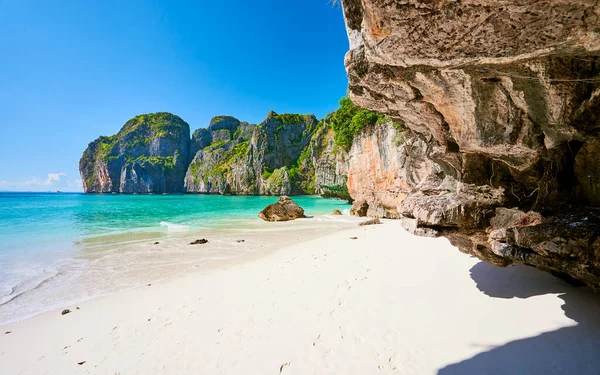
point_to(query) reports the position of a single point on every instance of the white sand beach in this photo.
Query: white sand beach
(384, 303)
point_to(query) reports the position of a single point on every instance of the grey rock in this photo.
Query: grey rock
(148, 155)
(248, 159)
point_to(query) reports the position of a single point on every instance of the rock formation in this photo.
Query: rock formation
(235, 157)
(285, 154)
(329, 163)
(500, 103)
(284, 209)
(148, 155)
(384, 162)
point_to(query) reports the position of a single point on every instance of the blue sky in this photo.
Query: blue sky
(73, 70)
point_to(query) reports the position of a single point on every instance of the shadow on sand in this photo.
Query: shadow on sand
(570, 350)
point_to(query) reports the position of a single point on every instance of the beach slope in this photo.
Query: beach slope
(385, 302)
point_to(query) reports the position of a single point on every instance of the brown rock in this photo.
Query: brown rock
(370, 222)
(384, 164)
(587, 170)
(509, 218)
(284, 209)
(65, 312)
(336, 212)
(359, 208)
(491, 115)
(201, 241)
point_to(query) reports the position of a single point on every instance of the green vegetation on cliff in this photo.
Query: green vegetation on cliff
(161, 124)
(336, 191)
(141, 130)
(302, 174)
(156, 143)
(165, 161)
(291, 118)
(350, 119)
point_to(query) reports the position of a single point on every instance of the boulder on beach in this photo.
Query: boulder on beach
(199, 242)
(336, 212)
(284, 209)
(370, 222)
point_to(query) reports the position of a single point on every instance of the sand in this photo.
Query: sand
(387, 302)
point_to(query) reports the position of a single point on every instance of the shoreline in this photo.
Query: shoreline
(385, 302)
(170, 254)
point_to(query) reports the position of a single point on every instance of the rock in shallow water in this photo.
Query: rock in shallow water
(284, 209)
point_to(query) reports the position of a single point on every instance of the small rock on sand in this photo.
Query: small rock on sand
(336, 212)
(7, 332)
(354, 238)
(370, 222)
(80, 363)
(65, 312)
(199, 242)
(240, 241)
(156, 243)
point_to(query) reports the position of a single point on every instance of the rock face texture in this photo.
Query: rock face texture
(284, 209)
(148, 155)
(285, 154)
(384, 164)
(270, 158)
(501, 103)
(328, 164)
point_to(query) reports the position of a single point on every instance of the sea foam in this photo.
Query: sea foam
(174, 228)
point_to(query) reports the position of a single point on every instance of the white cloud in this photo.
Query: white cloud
(54, 177)
(53, 181)
(33, 181)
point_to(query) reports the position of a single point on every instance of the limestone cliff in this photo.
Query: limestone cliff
(148, 155)
(500, 102)
(329, 163)
(270, 158)
(385, 163)
(285, 154)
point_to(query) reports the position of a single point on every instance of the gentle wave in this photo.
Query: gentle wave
(20, 289)
(174, 228)
(59, 248)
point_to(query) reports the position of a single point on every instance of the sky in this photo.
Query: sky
(73, 70)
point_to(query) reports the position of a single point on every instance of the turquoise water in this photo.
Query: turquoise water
(31, 223)
(42, 235)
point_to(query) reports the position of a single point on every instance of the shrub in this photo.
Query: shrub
(349, 120)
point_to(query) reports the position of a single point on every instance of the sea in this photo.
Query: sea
(58, 249)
